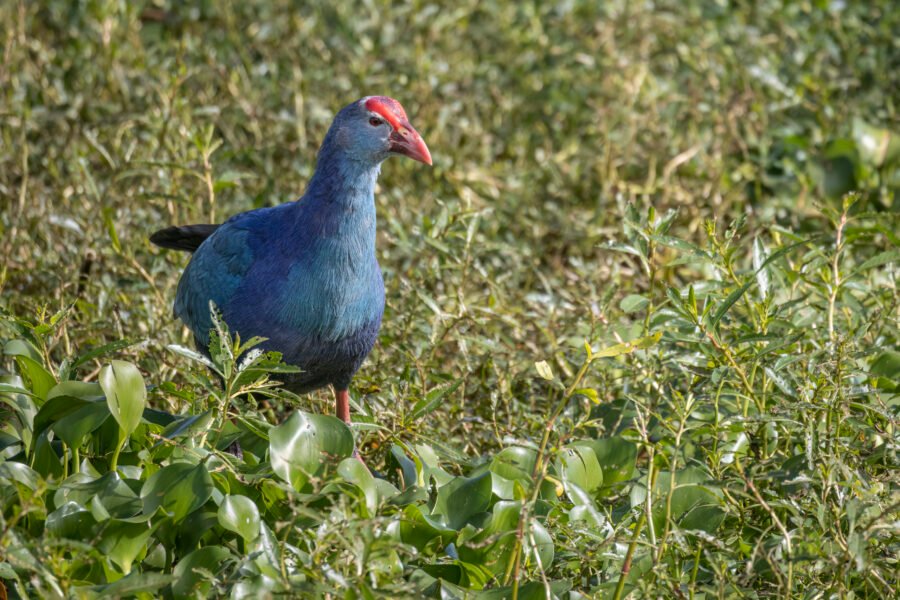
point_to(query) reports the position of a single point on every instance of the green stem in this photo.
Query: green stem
(626, 566)
(115, 459)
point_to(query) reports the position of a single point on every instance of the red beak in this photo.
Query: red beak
(406, 141)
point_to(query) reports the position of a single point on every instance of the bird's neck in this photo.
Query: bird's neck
(343, 182)
(338, 208)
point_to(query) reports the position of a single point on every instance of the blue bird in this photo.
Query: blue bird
(304, 274)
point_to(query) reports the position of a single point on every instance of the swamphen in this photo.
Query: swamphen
(304, 274)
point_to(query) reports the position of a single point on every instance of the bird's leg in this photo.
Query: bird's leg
(342, 405)
(342, 409)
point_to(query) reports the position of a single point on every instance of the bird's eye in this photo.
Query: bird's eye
(375, 122)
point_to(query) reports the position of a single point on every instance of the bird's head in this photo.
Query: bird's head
(376, 127)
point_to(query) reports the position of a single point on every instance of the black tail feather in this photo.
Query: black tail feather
(186, 237)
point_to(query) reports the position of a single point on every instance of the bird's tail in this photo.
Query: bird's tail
(185, 237)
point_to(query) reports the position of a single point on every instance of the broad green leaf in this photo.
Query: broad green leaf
(125, 394)
(190, 579)
(617, 458)
(116, 496)
(239, 514)
(71, 520)
(179, 489)
(306, 444)
(579, 465)
(462, 498)
(375, 490)
(136, 584)
(421, 530)
(694, 503)
(75, 426)
(125, 542)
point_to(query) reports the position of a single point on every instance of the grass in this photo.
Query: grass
(641, 336)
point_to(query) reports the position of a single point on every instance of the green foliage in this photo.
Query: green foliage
(642, 326)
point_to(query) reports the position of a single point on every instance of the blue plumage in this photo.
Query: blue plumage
(304, 274)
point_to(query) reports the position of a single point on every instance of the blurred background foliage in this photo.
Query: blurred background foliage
(556, 128)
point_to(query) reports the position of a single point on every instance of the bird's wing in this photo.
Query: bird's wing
(216, 270)
(185, 237)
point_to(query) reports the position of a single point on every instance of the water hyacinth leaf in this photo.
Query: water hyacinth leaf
(188, 425)
(191, 573)
(420, 530)
(239, 514)
(125, 392)
(306, 444)
(579, 465)
(375, 490)
(409, 470)
(462, 498)
(75, 426)
(695, 505)
(125, 542)
(178, 489)
(71, 520)
(116, 496)
(88, 391)
(617, 458)
(132, 585)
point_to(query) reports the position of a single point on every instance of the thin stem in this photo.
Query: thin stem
(836, 274)
(629, 555)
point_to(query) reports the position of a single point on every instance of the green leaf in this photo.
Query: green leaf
(179, 489)
(420, 530)
(694, 504)
(125, 542)
(190, 579)
(462, 498)
(617, 458)
(579, 465)
(38, 380)
(633, 303)
(628, 347)
(306, 445)
(71, 520)
(240, 515)
(131, 585)
(75, 426)
(509, 466)
(544, 370)
(433, 398)
(114, 494)
(727, 303)
(126, 394)
(375, 490)
(878, 260)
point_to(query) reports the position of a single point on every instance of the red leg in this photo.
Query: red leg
(342, 405)
(342, 408)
